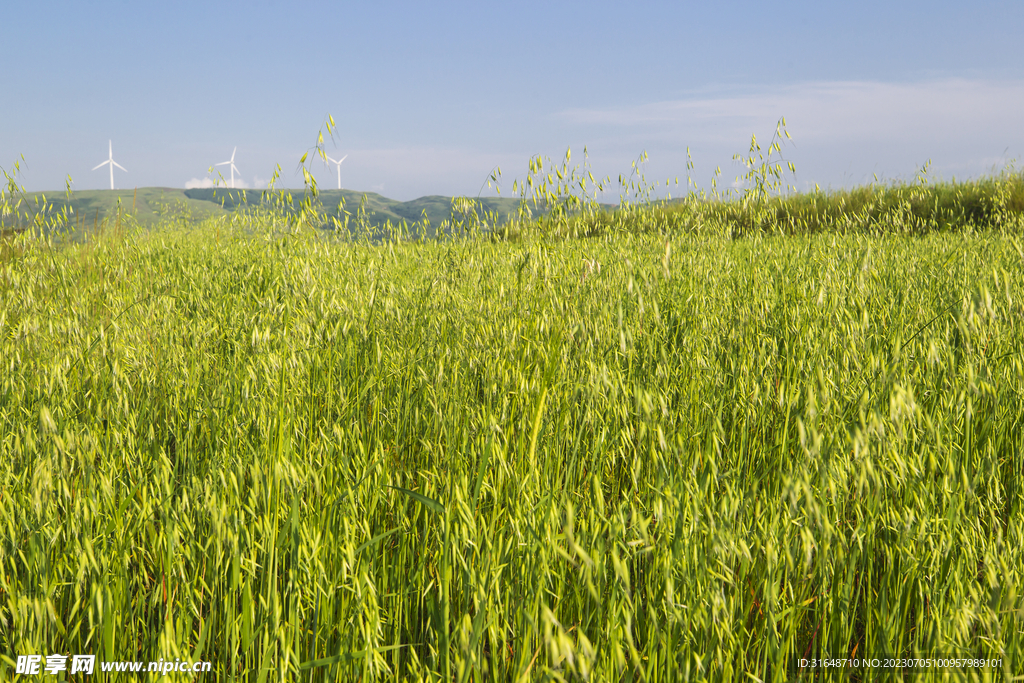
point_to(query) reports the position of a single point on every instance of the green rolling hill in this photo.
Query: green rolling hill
(379, 209)
(96, 209)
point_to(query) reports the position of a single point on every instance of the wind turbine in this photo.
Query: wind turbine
(338, 162)
(233, 167)
(112, 163)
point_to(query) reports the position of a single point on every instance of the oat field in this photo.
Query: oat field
(645, 446)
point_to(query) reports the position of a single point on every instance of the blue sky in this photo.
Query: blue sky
(430, 97)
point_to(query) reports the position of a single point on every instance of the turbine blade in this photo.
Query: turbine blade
(342, 159)
(102, 165)
(119, 166)
(223, 163)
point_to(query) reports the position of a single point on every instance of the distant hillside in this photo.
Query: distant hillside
(92, 208)
(379, 209)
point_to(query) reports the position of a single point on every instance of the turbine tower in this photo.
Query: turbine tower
(112, 163)
(338, 162)
(233, 167)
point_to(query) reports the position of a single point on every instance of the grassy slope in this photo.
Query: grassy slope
(981, 204)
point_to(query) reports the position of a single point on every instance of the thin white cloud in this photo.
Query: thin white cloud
(843, 131)
(850, 109)
(209, 182)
